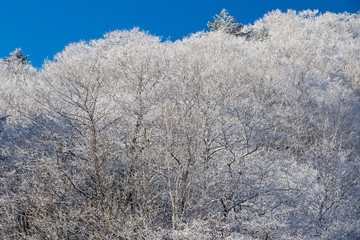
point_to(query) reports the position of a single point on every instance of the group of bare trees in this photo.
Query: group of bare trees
(213, 137)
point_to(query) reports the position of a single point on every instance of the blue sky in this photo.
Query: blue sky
(43, 28)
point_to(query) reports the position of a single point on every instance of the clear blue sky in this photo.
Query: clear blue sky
(43, 28)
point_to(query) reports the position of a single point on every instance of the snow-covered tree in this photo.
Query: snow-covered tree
(17, 57)
(225, 23)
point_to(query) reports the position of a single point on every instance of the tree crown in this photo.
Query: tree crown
(17, 56)
(226, 23)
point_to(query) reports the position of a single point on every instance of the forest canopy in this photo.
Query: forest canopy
(243, 132)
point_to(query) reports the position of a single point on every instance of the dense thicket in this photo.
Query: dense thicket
(216, 136)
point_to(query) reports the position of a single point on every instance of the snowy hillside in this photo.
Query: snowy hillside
(243, 132)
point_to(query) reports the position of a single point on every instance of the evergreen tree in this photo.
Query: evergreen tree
(226, 23)
(18, 56)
